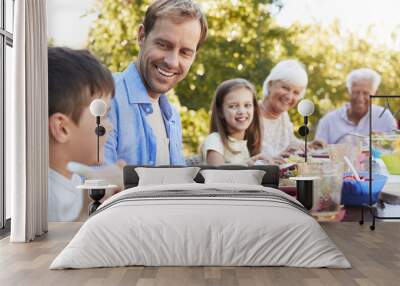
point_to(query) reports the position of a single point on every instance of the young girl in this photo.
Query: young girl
(235, 131)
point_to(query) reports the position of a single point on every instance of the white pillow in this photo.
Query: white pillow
(248, 177)
(166, 176)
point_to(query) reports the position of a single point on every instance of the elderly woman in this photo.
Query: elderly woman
(282, 89)
(352, 118)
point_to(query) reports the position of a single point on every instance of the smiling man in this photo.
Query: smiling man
(352, 118)
(147, 129)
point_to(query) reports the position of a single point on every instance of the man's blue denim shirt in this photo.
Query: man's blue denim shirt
(132, 138)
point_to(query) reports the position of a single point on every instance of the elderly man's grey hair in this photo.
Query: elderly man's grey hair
(363, 74)
(291, 71)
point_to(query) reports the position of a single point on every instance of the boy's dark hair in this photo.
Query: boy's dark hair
(75, 77)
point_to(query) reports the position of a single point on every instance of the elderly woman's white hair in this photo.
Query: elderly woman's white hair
(363, 74)
(291, 71)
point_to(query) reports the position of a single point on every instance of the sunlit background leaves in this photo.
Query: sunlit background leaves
(245, 41)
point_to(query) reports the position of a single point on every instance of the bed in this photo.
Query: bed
(201, 224)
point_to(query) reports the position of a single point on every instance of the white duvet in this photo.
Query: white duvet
(183, 231)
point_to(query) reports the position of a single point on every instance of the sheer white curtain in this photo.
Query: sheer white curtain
(26, 119)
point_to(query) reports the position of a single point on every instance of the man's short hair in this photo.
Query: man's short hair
(363, 74)
(175, 8)
(75, 77)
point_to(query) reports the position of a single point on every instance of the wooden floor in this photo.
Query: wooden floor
(374, 255)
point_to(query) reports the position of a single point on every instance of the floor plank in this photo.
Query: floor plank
(374, 255)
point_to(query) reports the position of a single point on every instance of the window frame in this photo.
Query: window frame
(6, 39)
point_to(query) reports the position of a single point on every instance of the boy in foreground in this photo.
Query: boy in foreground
(75, 79)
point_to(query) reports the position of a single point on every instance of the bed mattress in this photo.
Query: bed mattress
(201, 225)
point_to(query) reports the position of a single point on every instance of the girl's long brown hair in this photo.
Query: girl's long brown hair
(218, 123)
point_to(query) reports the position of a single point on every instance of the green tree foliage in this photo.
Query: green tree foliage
(244, 41)
(113, 35)
(195, 125)
(330, 54)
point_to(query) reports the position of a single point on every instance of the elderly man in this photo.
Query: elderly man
(147, 129)
(352, 118)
